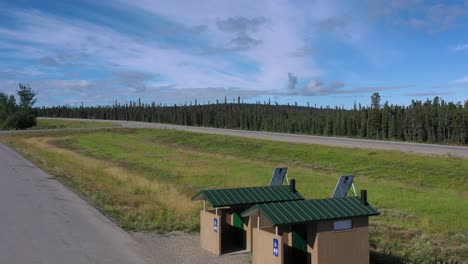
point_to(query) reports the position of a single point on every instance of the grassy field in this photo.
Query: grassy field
(54, 124)
(144, 180)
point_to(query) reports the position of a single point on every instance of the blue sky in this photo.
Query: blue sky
(318, 52)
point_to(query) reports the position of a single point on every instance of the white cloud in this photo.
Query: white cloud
(61, 92)
(251, 45)
(461, 81)
(315, 87)
(461, 47)
(277, 29)
(26, 72)
(421, 15)
(84, 41)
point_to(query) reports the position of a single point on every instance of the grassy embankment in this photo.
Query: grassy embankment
(54, 124)
(144, 180)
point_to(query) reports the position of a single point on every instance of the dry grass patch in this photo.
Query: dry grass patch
(136, 202)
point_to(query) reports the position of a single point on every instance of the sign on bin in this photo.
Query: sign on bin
(275, 247)
(215, 224)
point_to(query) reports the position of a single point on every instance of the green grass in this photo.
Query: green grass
(421, 197)
(54, 124)
(433, 189)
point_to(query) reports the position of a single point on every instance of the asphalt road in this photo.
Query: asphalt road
(41, 221)
(416, 148)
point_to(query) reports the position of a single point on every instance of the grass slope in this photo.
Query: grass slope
(145, 178)
(54, 124)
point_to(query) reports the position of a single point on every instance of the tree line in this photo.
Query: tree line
(19, 115)
(431, 121)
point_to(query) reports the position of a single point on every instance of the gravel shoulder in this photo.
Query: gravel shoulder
(182, 248)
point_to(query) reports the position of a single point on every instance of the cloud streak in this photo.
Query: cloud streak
(461, 81)
(419, 15)
(315, 87)
(429, 94)
(462, 47)
(261, 33)
(103, 47)
(61, 92)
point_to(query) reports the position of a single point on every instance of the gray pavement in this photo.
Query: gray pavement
(41, 221)
(416, 148)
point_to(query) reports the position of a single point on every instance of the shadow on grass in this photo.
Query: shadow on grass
(381, 258)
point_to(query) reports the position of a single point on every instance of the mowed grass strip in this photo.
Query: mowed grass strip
(428, 193)
(432, 191)
(59, 123)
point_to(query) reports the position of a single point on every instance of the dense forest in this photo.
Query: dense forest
(432, 121)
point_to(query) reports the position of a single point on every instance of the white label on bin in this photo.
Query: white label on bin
(275, 247)
(215, 224)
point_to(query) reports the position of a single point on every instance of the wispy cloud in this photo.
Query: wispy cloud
(305, 51)
(252, 48)
(48, 61)
(242, 28)
(331, 23)
(316, 87)
(11, 74)
(267, 39)
(108, 48)
(453, 86)
(61, 92)
(264, 34)
(461, 81)
(338, 88)
(377, 88)
(429, 94)
(16, 74)
(420, 15)
(461, 47)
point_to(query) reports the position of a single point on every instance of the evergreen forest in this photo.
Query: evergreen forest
(430, 121)
(18, 115)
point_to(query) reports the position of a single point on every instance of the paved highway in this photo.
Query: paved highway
(417, 148)
(43, 222)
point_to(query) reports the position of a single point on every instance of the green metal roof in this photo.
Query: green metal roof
(247, 195)
(294, 212)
